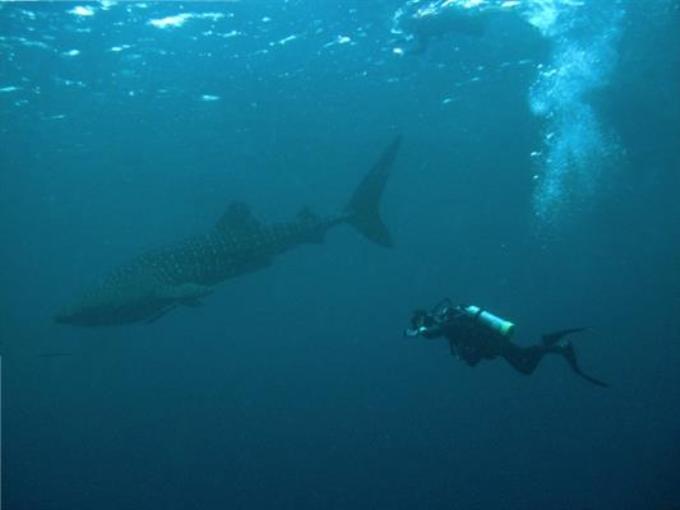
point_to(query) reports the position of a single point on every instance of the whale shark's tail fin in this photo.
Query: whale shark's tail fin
(363, 209)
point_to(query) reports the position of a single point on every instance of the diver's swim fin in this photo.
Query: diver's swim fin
(363, 209)
(552, 338)
(570, 355)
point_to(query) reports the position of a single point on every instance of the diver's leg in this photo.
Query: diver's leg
(553, 338)
(524, 359)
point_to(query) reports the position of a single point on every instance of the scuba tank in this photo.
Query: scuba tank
(491, 321)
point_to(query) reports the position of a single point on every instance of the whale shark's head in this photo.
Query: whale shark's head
(65, 316)
(80, 317)
(107, 307)
(109, 314)
(83, 314)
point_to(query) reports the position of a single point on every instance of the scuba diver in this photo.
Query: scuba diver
(417, 22)
(475, 334)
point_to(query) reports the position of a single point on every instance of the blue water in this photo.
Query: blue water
(538, 178)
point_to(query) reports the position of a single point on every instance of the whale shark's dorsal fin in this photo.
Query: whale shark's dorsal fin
(237, 219)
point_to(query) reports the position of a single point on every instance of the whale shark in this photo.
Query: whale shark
(149, 286)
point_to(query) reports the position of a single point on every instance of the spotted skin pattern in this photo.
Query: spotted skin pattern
(154, 283)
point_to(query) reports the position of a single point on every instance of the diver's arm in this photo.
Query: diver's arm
(431, 332)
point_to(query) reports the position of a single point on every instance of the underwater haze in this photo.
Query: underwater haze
(537, 177)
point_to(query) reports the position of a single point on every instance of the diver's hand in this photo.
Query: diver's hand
(411, 333)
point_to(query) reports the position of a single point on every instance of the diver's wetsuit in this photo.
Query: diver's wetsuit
(472, 341)
(420, 23)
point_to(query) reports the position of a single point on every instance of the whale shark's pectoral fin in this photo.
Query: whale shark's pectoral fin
(192, 302)
(160, 314)
(188, 294)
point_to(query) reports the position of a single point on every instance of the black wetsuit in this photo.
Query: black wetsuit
(471, 341)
